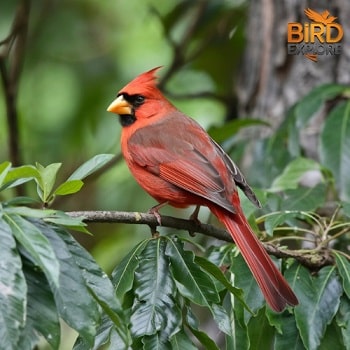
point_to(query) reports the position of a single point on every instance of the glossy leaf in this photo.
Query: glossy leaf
(292, 174)
(304, 198)
(238, 338)
(30, 212)
(335, 147)
(310, 104)
(332, 339)
(154, 308)
(42, 317)
(221, 318)
(204, 339)
(181, 341)
(92, 165)
(4, 169)
(260, 332)
(343, 266)
(155, 341)
(96, 280)
(287, 334)
(37, 245)
(13, 290)
(343, 320)
(19, 175)
(276, 219)
(216, 273)
(47, 179)
(106, 336)
(193, 326)
(319, 299)
(124, 274)
(244, 280)
(69, 187)
(192, 282)
(222, 133)
(75, 304)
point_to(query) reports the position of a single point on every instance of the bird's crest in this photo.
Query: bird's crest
(144, 81)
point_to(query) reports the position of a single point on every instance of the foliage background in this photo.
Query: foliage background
(80, 53)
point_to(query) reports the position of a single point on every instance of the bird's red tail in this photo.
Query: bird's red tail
(274, 287)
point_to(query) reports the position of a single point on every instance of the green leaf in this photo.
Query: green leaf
(155, 342)
(287, 335)
(48, 178)
(42, 317)
(49, 215)
(260, 332)
(204, 339)
(221, 133)
(346, 208)
(244, 280)
(91, 166)
(343, 320)
(276, 219)
(13, 290)
(335, 147)
(292, 174)
(19, 175)
(69, 187)
(4, 169)
(181, 341)
(63, 219)
(344, 271)
(192, 323)
(106, 334)
(37, 245)
(192, 282)
(124, 274)
(311, 103)
(97, 281)
(304, 198)
(333, 338)
(154, 308)
(319, 299)
(216, 273)
(33, 213)
(221, 318)
(238, 339)
(74, 302)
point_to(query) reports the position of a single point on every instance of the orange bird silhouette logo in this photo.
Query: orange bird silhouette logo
(322, 17)
(321, 35)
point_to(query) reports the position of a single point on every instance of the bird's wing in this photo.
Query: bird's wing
(183, 156)
(238, 176)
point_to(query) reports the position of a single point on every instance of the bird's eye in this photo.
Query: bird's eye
(139, 100)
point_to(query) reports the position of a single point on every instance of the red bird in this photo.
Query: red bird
(173, 159)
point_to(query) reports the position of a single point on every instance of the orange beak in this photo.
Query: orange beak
(120, 106)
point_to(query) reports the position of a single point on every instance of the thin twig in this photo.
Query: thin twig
(13, 46)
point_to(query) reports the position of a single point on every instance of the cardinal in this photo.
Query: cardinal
(174, 159)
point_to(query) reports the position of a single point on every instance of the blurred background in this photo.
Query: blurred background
(222, 61)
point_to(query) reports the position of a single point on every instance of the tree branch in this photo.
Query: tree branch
(14, 44)
(313, 259)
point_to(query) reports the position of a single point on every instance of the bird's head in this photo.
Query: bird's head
(140, 99)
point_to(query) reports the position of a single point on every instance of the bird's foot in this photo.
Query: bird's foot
(194, 218)
(155, 211)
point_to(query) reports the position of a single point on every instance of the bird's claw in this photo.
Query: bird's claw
(155, 211)
(194, 218)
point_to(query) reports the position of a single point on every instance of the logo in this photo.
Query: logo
(320, 37)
